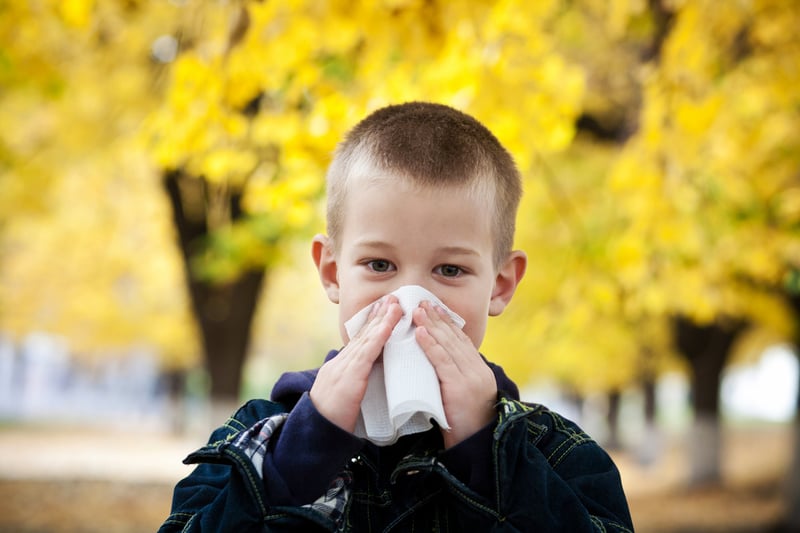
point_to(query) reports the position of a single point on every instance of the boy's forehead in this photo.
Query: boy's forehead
(472, 187)
(395, 196)
(476, 196)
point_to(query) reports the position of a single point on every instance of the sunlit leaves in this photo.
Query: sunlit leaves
(98, 267)
(86, 250)
(300, 72)
(698, 214)
(695, 216)
(716, 144)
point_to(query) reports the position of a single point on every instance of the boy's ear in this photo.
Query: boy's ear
(508, 277)
(325, 259)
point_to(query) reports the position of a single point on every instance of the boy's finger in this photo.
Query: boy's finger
(437, 313)
(374, 334)
(374, 309)
(443, 363)
(442, 327)
(377, 313)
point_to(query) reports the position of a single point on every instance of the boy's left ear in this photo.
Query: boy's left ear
(508, 277)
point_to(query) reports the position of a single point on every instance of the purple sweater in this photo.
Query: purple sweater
(310, 450)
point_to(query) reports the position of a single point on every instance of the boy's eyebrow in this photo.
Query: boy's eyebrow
(459, 250)
(367, 243)
(455, 250)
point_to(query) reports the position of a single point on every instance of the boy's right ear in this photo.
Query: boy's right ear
(324, 257)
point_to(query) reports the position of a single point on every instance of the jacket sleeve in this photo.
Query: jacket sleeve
(228, 491)
(549, 476)
(223, 479)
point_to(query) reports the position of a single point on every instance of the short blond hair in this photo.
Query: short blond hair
(431, 145)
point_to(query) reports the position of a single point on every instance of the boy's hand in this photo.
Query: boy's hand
(468, 385)
(341, 382)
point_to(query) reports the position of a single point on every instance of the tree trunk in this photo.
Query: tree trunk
(792, 518)
(175, 384)
(223, 311)
(706, 347)
(224, 314)
(649, 392)
(614, 401)
(651, 446)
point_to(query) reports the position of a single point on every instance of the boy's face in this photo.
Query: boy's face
(395, 233)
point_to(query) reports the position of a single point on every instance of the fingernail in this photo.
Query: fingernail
(374, 309)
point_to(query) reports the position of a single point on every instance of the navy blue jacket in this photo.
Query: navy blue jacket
(281, 466)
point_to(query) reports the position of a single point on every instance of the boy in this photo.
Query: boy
(419, 195)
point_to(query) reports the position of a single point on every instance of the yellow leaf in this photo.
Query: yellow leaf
(227, 165)
(77, 13)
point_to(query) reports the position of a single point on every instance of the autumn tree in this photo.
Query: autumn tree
(676, 209)
(705, 189)
(259, 93)
(715, 160)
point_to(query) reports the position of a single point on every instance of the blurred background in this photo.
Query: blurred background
(161, 174)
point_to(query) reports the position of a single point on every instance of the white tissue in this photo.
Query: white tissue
(403, 392)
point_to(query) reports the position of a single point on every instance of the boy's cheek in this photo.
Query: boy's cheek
(475, 335)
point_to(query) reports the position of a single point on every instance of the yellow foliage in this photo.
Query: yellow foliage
(788, 206)
(628, 255)
(76, 12)
(711, 160)
(80, 83)
(256, 94)
(226, 166)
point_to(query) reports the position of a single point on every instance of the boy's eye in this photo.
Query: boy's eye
(449, 271)
(379, 265)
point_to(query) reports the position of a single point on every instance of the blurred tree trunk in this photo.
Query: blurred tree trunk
(224, 314)
(175, 382)
(614, 441)
(224, 311)
(706, 348)
(651, 445)
(649, 391)
(792, 518)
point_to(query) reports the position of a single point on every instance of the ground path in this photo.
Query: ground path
(67, 480)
